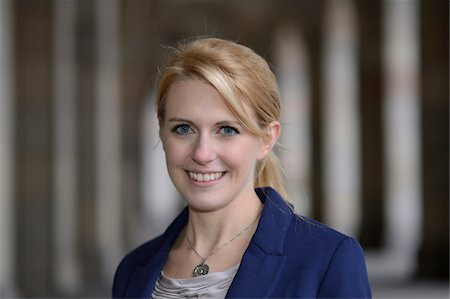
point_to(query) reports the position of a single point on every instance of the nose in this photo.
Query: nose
(203, 151)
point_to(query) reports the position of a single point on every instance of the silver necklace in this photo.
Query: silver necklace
(203, 268)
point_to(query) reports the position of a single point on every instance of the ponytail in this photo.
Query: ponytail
(269, 173)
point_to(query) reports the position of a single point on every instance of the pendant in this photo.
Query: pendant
(200, 270)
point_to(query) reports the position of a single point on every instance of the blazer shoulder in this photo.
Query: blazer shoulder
(317, 240)
(336, 258)
(309, 228)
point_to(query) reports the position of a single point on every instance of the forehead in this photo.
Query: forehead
(194, 98)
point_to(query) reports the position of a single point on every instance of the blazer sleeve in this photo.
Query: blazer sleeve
(346, 276)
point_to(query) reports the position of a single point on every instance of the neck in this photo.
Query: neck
(209, 230)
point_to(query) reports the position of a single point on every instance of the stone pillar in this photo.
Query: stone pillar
(314, 42)
(66, 272)
(139, 66)
(86, 143)
(340, 116)
(371, 95)
(434, 252)
(108, 138)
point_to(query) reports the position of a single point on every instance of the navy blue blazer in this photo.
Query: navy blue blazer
(289, 256)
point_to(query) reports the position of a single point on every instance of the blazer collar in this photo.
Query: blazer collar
(144, 278)
(263, 261)
(274, 222)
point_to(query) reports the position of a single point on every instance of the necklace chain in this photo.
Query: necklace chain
(221, 246)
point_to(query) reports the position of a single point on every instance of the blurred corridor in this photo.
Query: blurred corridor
(365, 143)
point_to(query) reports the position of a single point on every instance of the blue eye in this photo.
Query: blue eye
(182, 129)
(228, 131)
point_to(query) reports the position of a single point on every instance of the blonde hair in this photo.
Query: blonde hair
(238, 74)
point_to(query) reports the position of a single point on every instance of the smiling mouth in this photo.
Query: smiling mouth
(205, 177)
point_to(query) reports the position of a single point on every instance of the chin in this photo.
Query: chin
(205, 202)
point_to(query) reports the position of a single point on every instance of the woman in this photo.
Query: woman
(218, 108)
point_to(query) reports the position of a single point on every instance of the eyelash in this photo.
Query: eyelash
(177, 127)
(235, 131)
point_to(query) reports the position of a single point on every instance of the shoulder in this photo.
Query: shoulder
(296, 231)
(280, 221)
(306, 230)
(135, 259)
(318, 260)
(149, 257)
(310, 237)
(321, 243)
(139, 256)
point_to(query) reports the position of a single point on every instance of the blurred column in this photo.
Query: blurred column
(86, 142)
(66, 267)
(313, 20)
(295, 149)
(341, 150)
(33, 139)
(108, 137)
(161, 201)
(370, 102)
(434, 35)
(402, 133)
(139, 64)
(6, 152)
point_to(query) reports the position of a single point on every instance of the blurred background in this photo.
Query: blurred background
(364, 89)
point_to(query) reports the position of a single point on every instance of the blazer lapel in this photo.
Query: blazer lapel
(144, 278)
(257, 275)
(263, 260)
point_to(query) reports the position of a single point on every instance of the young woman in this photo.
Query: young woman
(218, 108)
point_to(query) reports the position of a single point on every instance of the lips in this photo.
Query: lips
(205, 177)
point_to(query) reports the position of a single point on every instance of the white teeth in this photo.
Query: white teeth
(200, 177)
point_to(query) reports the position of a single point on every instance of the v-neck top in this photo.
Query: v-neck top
(213, 285)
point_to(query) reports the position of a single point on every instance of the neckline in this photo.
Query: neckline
(228, 272)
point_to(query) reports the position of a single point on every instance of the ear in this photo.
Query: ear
(268, 141)
(162, 136)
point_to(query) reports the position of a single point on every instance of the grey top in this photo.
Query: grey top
(213, 285)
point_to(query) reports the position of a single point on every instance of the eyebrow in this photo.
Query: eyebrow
(175, 119)
(228, 122)
(220, 123)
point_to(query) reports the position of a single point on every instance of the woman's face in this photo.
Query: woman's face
(210, 157)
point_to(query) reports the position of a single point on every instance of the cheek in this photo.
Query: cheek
(171, 151)
(244, 156)
(176, 152)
